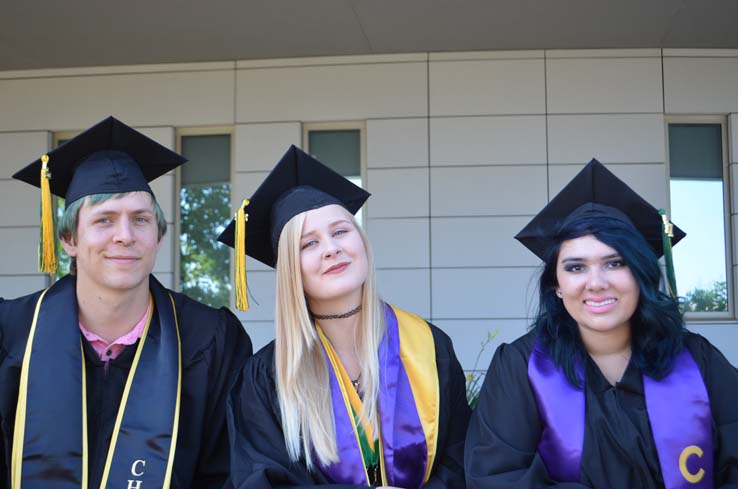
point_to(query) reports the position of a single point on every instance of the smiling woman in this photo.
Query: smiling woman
(608, 389)
(353, 391)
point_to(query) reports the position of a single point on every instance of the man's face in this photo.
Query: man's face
(116, 242)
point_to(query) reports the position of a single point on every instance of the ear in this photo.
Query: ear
(69, 246)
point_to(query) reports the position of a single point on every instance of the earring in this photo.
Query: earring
(559, 294)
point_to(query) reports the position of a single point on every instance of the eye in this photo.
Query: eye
(574, 267)
(617, 263)
(103, 220)
(141, 219)
(340, 231)
(308, 244)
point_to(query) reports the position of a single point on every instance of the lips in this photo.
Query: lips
(600, 305)
(337, 268)
(123, 259)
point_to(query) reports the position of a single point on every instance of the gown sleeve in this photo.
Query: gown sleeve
(454, 416)
(505, 428)
(229, 351)
(259, 458)
(722, 384)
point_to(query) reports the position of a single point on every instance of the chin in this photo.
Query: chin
(125, 281)
(605, 326)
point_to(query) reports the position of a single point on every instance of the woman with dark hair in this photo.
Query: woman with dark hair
(608, 390)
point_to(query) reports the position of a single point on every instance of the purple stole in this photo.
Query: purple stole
(678, 410)
(407, 434)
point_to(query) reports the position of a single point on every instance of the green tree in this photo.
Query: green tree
(62, 258)
(205, 263)
(714, 299)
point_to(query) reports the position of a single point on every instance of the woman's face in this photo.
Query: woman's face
(596, 286)
(333, 258)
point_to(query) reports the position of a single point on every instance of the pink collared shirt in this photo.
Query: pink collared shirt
(109, 351)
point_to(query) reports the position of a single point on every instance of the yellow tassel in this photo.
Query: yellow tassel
(242, 300)
(47, 247)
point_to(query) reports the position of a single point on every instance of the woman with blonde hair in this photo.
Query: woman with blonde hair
(353, 392)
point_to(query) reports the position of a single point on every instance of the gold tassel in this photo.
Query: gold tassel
(242, 300)
(47, 246)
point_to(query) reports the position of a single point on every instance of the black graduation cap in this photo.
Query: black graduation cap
(298, 183)
(595, 191)
(109, 157)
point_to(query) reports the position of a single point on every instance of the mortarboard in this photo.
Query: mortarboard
(298, 183)
(109, 157)
(595, 191)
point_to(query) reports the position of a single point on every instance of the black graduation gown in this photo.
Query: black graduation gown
(618, 452)
(259, 457)
(214, 347)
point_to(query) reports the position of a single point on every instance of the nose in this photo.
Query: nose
(332, 249)
(596, 279)
(124, 233)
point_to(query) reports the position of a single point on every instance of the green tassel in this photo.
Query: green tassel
(667, 232)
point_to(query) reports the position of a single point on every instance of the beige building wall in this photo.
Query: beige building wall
(462, 149)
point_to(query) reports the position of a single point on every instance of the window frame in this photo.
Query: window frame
(730, 314)
(307, 127)
(180, 133)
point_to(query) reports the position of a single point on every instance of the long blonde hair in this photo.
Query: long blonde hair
(303, 383)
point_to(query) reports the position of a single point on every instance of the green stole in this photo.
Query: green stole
(50, 436)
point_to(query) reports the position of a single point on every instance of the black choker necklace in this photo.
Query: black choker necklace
(345, 315)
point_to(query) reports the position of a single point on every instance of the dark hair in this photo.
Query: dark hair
(657, 326)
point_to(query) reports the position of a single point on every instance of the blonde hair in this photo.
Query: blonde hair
(303, 383)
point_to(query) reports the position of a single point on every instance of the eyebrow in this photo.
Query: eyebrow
(334, 223)
(578, 259)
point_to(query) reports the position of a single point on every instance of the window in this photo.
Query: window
(203, 270)
(697, 169)
(339, 146)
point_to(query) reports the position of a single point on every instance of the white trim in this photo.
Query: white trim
(603, 53)
(700, 53)
(119, 70)
(484, 55)
(331, 60)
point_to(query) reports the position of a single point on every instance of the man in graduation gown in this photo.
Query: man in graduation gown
(107, 378)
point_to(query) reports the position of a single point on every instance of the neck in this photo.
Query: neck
(603, 343)
(342, 333)
(110, 314)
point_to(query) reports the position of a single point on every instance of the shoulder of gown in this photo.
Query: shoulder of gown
(505, 428)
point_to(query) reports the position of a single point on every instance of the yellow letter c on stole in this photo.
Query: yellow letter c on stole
(686, 453)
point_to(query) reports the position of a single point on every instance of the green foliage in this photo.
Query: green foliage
(205, 263)
(62, 258)
(474, 378)
(714, 299)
